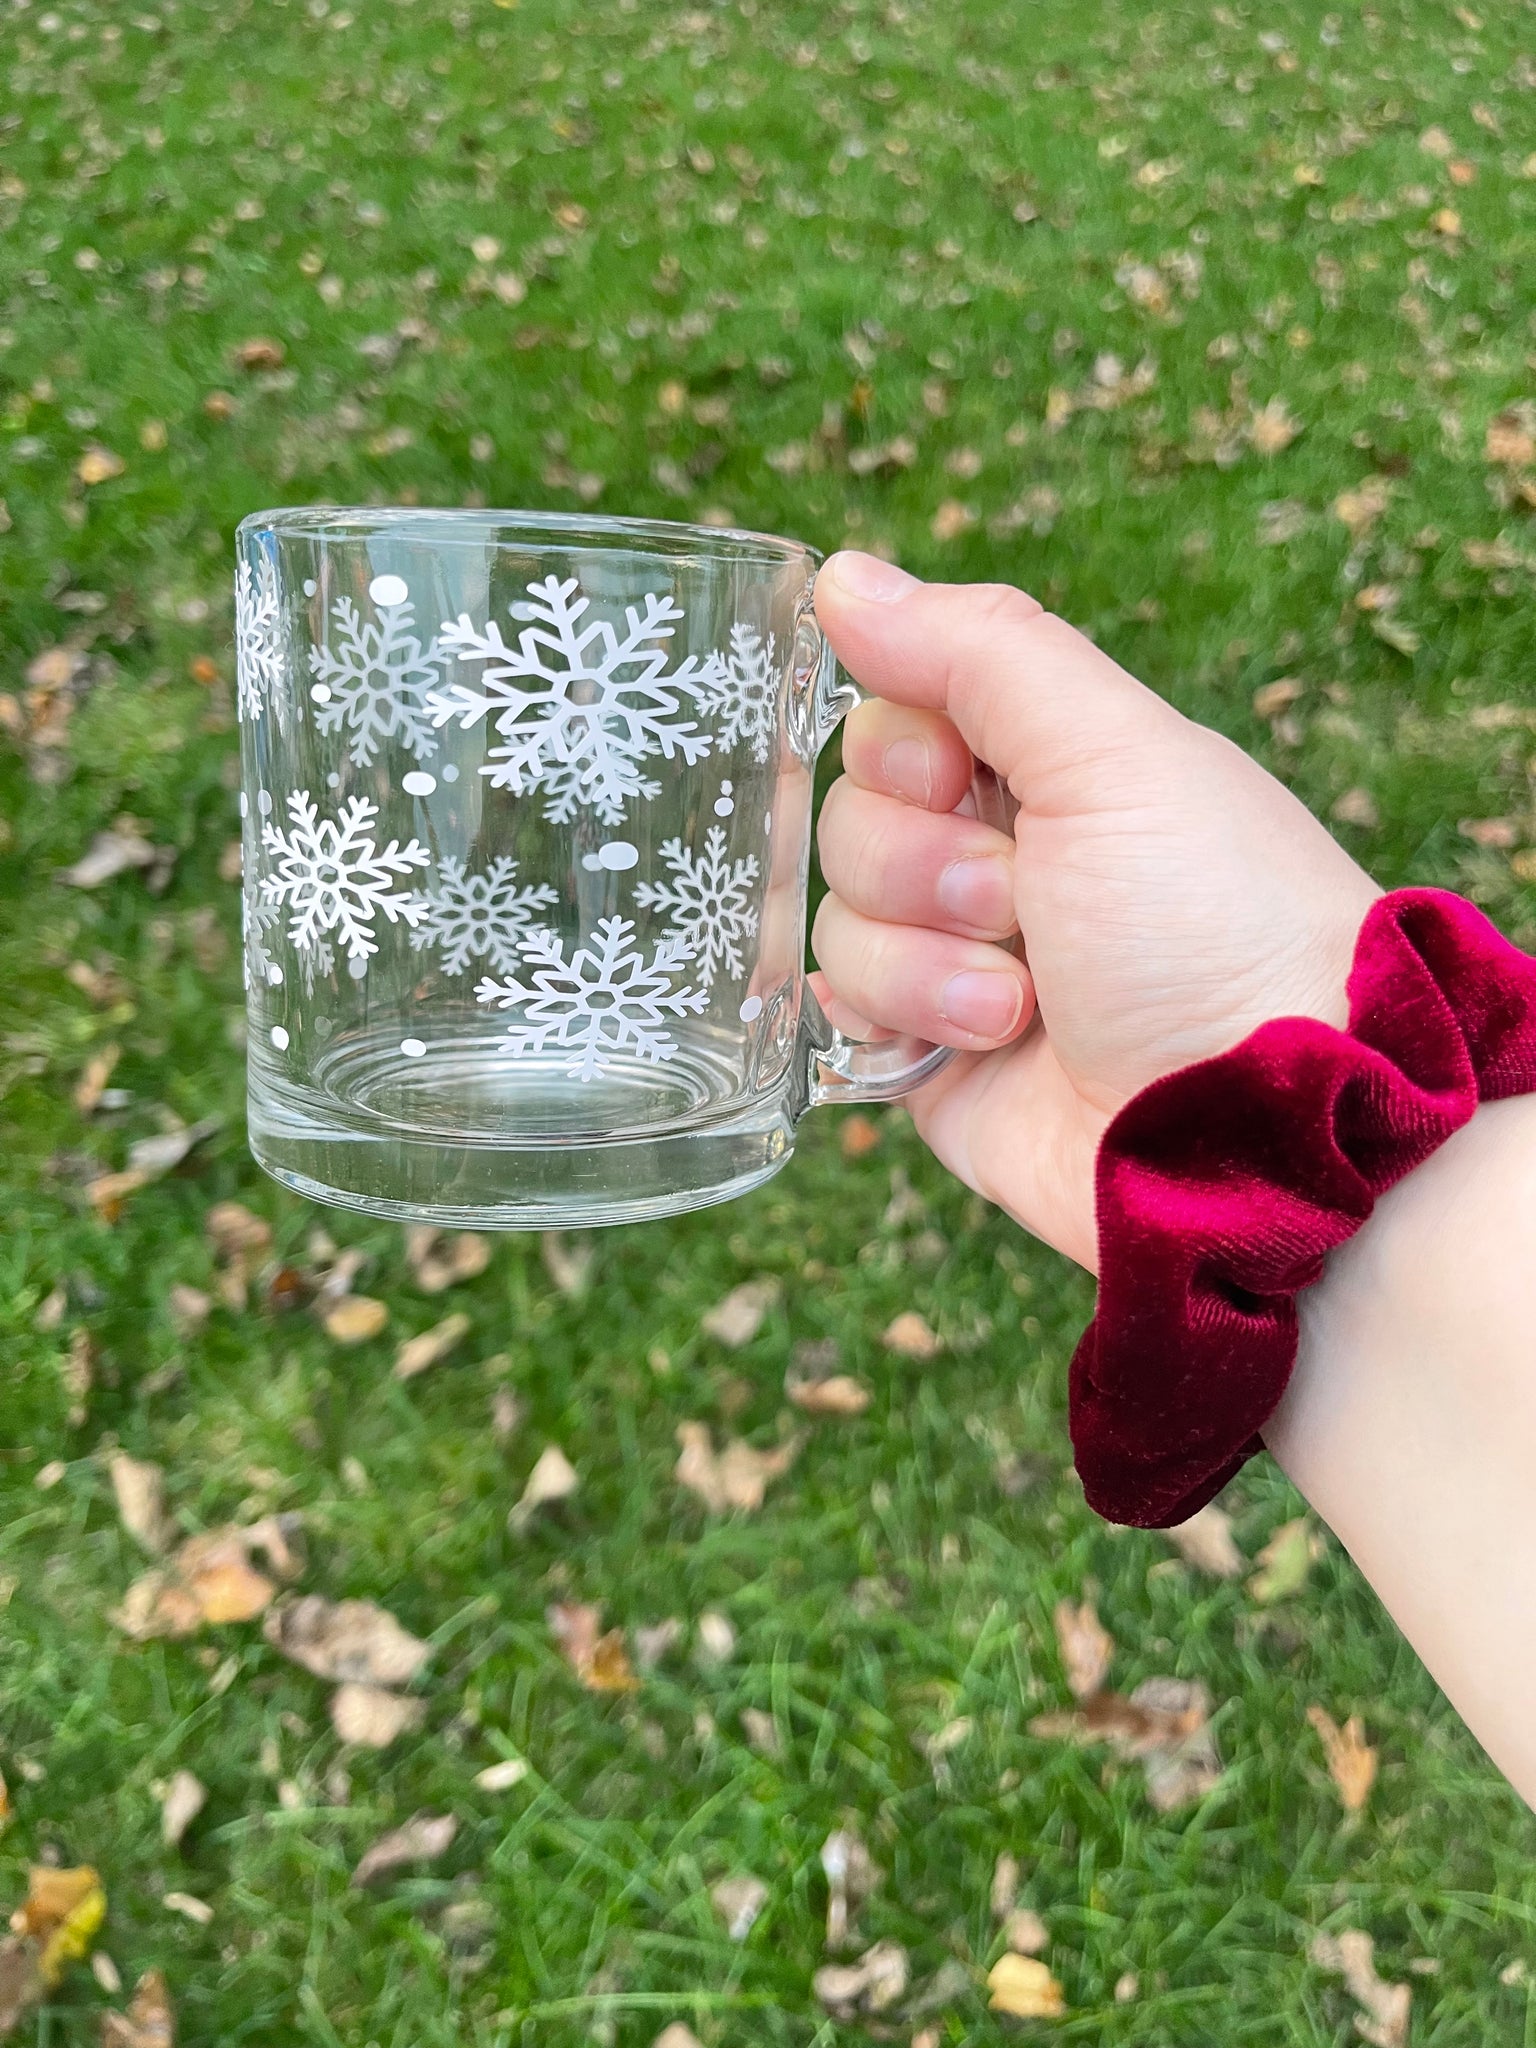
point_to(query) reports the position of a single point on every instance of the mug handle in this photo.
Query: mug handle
(843, 1069)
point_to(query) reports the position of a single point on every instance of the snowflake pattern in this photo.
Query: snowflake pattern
(480, 916)
(579, 705)
(709, 901)
(258, 638)
(608, 998)
(256, 920)
(744, 691)
(375, 682)
(334, 878)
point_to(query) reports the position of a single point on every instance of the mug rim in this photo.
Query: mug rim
(483, 523)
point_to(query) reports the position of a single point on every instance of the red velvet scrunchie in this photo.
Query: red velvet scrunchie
(1222, 1188)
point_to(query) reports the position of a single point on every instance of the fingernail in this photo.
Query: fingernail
(983, 1003)
(868, 577)
(908, 769)
(978, 891)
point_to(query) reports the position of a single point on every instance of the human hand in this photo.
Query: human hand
(1171, 895)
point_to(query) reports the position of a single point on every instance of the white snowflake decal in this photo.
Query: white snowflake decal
(334, 878)
(745, 691)
(709, 900)
(375, 682)
(256, 920)
(258, 638)
(606, 999)
(579, 706)
(480, 916)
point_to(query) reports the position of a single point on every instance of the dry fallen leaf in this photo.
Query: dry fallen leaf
(600, 1661)
(568, 1260)
(437, 1262)
(1273, 427)
(345, 1641)
(139, 1488)
(858, 1134)
(1351, 1759)
(1024, 1989)
(1205, 1541)
(736, 1320)
(737, 1476)
(61, 1913)
(1511, 438)
(677, 2036)
(1025, 1932)
(94, 1076)
(1360, 508)
(150, 2021)
(839, 1394)
(416, 1354)
(1086, 1647)
(190, 1907)
(503, 1776)
(371, 1717)
(1285, 1561)
(259, 353)
(1005, 1885)
(422, 1839)
(1163, 1725)
(873, 1984)
(851, 1876)
(99, 466)
(182, 1798)
(109, 854)
(1384, 2008)
(209, 1580)
(909, 1335)
(354, 1319)
(739, 1900)
(554, 1477)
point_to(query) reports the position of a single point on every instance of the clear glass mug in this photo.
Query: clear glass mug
(527, 829)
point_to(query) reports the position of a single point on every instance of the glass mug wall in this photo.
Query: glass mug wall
(526, 811)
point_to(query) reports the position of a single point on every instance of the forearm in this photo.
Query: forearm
(1410, 1422)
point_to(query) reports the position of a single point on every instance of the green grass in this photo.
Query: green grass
(804, 219)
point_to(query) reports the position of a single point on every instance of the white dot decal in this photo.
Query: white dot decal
(333, 780)
(725, 803)
(323, 1027)
(274, 974)
(418, 782)
(309, 586)
(357, 969)
(767, 823)
(320, 692)
(751, 1010)
(245, 805)
(279, 1038)
(264, 802)
(617, 855)
(591, 863)
(413, 1048)
(450, 771)
(388, 590)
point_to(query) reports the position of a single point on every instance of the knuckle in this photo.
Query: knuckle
(1003, 606)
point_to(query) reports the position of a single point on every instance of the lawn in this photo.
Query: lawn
(1211, 327)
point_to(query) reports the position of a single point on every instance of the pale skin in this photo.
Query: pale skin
(1170, 896)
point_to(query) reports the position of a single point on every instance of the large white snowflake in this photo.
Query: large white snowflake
(744, 691)
(375, 680)
(258, 638)
(710, 902)
(483, 917)
(334, 878)
(579, 705)
(608, 998)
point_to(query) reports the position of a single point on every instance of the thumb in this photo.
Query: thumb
(1029, 693)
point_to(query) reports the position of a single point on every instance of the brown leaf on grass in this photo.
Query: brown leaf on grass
(568, 1260)
(61, 1913)
(354, 1319)
(108, 1191)
(182, 1798)
(437, 1263)
(232, 1229)
(1511, 437)
(1272, 427)
(373, 1718)
(737, 1476)
(910, 1335)
(1272, 698)
(871, 1985)
(736, 1320)
(139, 1489)
(1024, 1988)
(677, 2036)
(951, 520)
(422, 1839)
(1360, 508)
(156, 1156)
(852, 1874)
(150, 2021)
(209, 1581)
(99, 466)
(1384, 2008)
(77, 1371)
(857, 1135)
(1025, 1932)
(94, 1076)
(838, 1394)
(259, 353)
(1086, 1646)
(739, 1900)
(21, 1985)
(1285, 1562)
(1004, 1892)
(417, 1354)
(109, 854)
(553, 1478)
(1162, 1725)
(600, 1661)
(345, 1641)
(1205, 1541)
(1351, 1759)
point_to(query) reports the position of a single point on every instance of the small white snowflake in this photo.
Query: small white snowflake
(744, 691)
(710, 903)
(480, 916)
(258, 638)
(375, 681)
(578, 705)
(334, 878)
(606, 999)
(256, 920)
